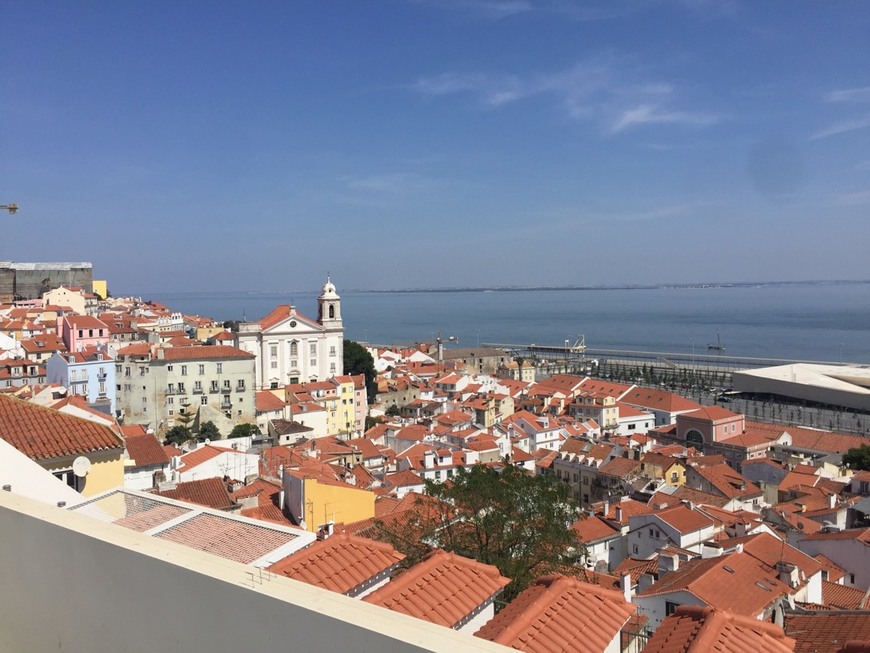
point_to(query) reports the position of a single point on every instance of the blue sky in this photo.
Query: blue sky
(430, 143)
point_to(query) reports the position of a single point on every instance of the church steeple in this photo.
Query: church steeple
(329, 306)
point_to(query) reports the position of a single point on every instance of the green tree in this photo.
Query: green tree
(393, 411)
(519, 522)
(178, 435)
(858, 458)
(357, 360)
(208, 431)
(371, 422)
(244, 430)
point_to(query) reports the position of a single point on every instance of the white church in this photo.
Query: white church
(293, 348)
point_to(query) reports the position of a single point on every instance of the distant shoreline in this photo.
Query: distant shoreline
(477, 289)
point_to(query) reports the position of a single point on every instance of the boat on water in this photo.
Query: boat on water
(716, 346)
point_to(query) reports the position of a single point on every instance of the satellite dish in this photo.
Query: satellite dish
(81, 466)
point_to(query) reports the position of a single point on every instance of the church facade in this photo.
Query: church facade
(292, 348)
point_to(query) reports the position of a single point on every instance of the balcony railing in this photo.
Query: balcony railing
(226, 389)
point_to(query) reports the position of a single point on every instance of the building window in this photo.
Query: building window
(312, 349)
(184, 370)
(313, 362)
(214, 386)
(227, 384)
(220, 368)
(332, 350)
(273, 350)
(332, 368)
(170, 388)
(274, 365)
(170, 400)
(197, 386)
(670, 606)
(203, 400)
(169, 368)
(294, 349)
(240, 385)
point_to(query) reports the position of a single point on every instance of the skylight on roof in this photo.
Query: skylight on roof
(763, 586)
(728, 569)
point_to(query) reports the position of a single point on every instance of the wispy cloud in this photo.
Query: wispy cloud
(392, 183)
(842, 127)
(647, 114)
(603, 90)
(579, 11)
(859, 95)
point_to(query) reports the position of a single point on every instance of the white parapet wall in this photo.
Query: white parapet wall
(74, 584)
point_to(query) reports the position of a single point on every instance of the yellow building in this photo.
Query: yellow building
(101, 288)
(316, 497)
(56, 441)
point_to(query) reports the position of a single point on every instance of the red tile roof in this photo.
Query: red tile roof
(210, 492)
(146, 450)
(593, 529)
(227, 538)
(827, 632)
(42, 433)
(843, 597)
(283, 312)
(343, 563)
(560, 614)
(267, 401)
(202, 352)
(444, 589)
(736, 582)
(694, 629)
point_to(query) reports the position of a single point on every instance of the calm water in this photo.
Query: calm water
(828, 322)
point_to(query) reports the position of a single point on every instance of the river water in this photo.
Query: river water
(812, 321)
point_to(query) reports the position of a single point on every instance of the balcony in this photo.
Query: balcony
(240, 388)
(213, 389)
(198, 391)
(226, 389)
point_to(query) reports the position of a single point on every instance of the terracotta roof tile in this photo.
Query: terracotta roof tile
(343, 563)
(560, 614)
(209, 492)
(827, 632)
(737, 582)
(43, 433)
(843, 597)
(203, 352)
(694, 629)
(593, 529)
(146, 450)
(227, 538)
(444, 589)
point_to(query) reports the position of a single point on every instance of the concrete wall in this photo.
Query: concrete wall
(74, 584)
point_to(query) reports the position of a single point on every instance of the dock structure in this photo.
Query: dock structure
(579, 358)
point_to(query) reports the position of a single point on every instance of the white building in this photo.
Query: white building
(292, 348)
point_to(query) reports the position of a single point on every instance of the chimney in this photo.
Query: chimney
(619, 514)
(625, 586)
(668, 563)
(832, 501)
(606, 508)
(788, 573)
(643, 582)
(281, 499)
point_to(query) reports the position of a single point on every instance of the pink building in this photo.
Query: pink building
(80, 331)
(708, 425)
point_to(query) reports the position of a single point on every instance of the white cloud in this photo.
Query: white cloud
(861, 94)
(603, 90)
(842, 127)
(393, 183)
(646, 114)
